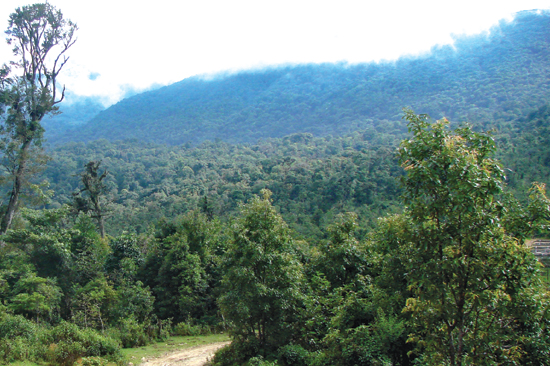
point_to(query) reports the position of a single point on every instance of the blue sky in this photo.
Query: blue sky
(133, 45)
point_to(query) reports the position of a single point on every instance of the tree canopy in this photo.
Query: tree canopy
(40, 37)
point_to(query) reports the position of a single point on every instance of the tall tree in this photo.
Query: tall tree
(40, 37)
(263, 278)
(468, 270)
(95, 189)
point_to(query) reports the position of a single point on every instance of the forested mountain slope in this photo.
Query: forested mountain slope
(70, 116)
(312, 179)
(489, 79)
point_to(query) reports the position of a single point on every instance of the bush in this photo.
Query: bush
(17, 349)
(65, 353)
(20, 339)
(131, 333)
(293, 355)
(259, 361)
(69, 343)
(93, 361)
(12, 326)
(164, 329)
(99, 345)
(189, 329)
(236, 353)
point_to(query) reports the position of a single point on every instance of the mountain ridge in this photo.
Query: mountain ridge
(491, 78)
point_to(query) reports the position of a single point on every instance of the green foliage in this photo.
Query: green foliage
(343, 257)
(69, 343)
(55, 246)
(89, 251)
(315, 317)
(293, 355)
(133, 299)
(92, 302)
(20, 339)
(40, 37)
(24, 340)
(379, 341)
(237, 353)
(35, 296)
(131, 333)
(92, 199)
(259, 361)
(263, 279)
(182, 267)
(451, 273)
(188, 329)
(12, 326)
(312, 179)
(467, 275)
(94, 361)
(124, 259)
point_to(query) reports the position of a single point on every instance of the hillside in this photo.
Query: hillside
(71, 115)
(489, 78)
(312, 179)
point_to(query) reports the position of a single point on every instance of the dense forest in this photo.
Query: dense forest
(308, 211)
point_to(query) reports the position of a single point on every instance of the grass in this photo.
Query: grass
(152, 350)
(156, 349)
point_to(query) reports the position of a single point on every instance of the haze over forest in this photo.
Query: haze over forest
(314, 212)
(488, 78)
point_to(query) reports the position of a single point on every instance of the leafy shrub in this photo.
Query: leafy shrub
(236, 353)
(69, 343)
(20, 339)
(17, 349)
(93, 361)
(164, 329)
(293, 355)
(12, 326)
(259, 361)
(189, 329)
(99, 345)
(65, 353)
(131, 333)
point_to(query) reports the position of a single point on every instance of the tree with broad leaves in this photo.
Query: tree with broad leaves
(263, 278)
(40, 37)
(473, 286)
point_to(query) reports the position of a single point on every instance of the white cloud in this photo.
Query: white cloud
(139, 43)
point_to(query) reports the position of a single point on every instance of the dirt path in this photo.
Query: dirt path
(194, 356)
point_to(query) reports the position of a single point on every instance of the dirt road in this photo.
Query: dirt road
(194, 356)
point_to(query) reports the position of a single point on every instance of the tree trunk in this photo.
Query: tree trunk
(16, 190)
(101, 227)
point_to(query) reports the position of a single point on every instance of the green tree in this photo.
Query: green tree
(40, 37)
(35, 296)
(182, 267)
(125, 257)
(94, 199)
(91, 303)
(471, 281)
(262, 281)
(344, 258)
